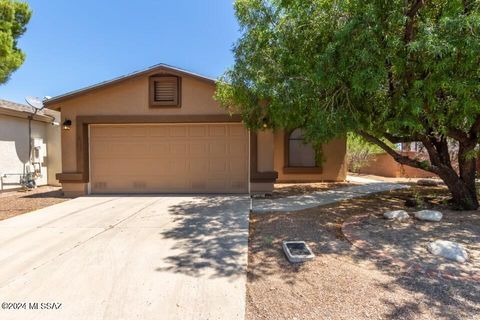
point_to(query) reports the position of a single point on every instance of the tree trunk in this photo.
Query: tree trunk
(463, 195)
(462, 184)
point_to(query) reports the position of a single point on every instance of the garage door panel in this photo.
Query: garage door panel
(218, 148)
(197, 131)
(157, 131)
(178, 131)
(217, 131)
(176, 158)
(237, 165)
(198, 148)
(198, 169)
(159, 149)
(177, 167)
(179, 149)
(237, 131)
(237, 148)
(217, 166)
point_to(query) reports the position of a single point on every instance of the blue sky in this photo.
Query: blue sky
(72, 44)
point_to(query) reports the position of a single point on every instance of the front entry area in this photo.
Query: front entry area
(169, 158)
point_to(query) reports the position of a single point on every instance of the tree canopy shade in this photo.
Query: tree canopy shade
(14, 16)
(397, 71)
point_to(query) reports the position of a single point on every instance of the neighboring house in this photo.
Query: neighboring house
(21, 151)
(160, 130)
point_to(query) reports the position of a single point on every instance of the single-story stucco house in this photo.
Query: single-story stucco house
(29, 142)
(160, 130)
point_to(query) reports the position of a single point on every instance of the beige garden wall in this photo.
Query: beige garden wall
(382, 164)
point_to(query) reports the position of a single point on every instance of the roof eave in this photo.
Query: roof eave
(26, 115)
(50, 102)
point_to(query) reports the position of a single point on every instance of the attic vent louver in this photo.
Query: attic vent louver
(165, 91)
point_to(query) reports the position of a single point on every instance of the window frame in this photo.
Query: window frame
(287, 168)
(164, 104)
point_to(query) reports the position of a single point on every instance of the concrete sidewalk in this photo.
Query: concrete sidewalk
(320, 198)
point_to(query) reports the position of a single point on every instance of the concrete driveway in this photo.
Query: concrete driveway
(127, 257)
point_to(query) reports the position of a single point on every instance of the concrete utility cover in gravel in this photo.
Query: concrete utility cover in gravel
(448, 249)
(297, 251)
(429, 215)
(398, 215)
(427, 182)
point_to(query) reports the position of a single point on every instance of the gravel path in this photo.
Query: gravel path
(318, 198)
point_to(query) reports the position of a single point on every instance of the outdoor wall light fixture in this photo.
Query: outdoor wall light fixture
(67, 124)
(265, 122)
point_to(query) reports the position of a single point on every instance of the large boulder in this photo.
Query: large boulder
(448, 249)
(429, 215)
(398, 215)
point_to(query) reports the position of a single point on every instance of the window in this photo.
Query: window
(300, 156)
(165, 91)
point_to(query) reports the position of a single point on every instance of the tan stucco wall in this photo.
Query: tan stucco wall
(265, 151)
(383, 164)
(74, 189)
(14, 150)
(334, 165)
(54, 159)
(131, 97)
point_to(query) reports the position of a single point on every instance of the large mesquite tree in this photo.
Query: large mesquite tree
(392, 71)
(14, 16)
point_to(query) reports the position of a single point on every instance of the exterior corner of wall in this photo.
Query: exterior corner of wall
(261, 187)
(74, 189)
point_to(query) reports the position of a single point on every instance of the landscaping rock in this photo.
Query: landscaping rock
(427, 182)
(448, 249)
(397, 215)
(429, 215)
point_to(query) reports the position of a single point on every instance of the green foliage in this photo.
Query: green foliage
(332, 67)
(14, 16)
(359, 152)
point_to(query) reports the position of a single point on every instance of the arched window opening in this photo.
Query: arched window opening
(300, 153)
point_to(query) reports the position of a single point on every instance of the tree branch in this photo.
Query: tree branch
(411, 13)
(475, 128)
(395, 139)
(397, 156)
(457, 134)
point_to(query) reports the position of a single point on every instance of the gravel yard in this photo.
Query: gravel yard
(13, 203)
(344, 282)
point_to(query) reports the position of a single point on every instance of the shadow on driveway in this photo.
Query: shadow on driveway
(211, 234)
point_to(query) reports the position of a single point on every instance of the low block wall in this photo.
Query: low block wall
(384, 165)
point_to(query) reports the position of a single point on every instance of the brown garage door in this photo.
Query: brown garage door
(176, 158)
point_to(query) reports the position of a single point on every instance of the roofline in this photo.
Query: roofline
(26, 115)
(134, 74)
